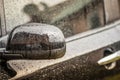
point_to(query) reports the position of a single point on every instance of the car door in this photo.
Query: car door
(85, 45)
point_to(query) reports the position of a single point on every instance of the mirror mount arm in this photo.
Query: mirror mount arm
(5, 55)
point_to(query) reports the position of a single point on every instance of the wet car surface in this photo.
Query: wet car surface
(75, 64)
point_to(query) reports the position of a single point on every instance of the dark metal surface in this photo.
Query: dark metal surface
(80, 61)
(35, 41)
(79, 68)
(83, 67)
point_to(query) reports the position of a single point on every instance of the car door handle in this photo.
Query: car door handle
(110, 58)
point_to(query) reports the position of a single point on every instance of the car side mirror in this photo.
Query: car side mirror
(34, 41)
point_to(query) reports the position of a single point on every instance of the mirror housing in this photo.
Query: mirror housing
(35, 41)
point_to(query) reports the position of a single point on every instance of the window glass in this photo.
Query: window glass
(71, 16)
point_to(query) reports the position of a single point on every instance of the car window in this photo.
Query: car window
(71, 16)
